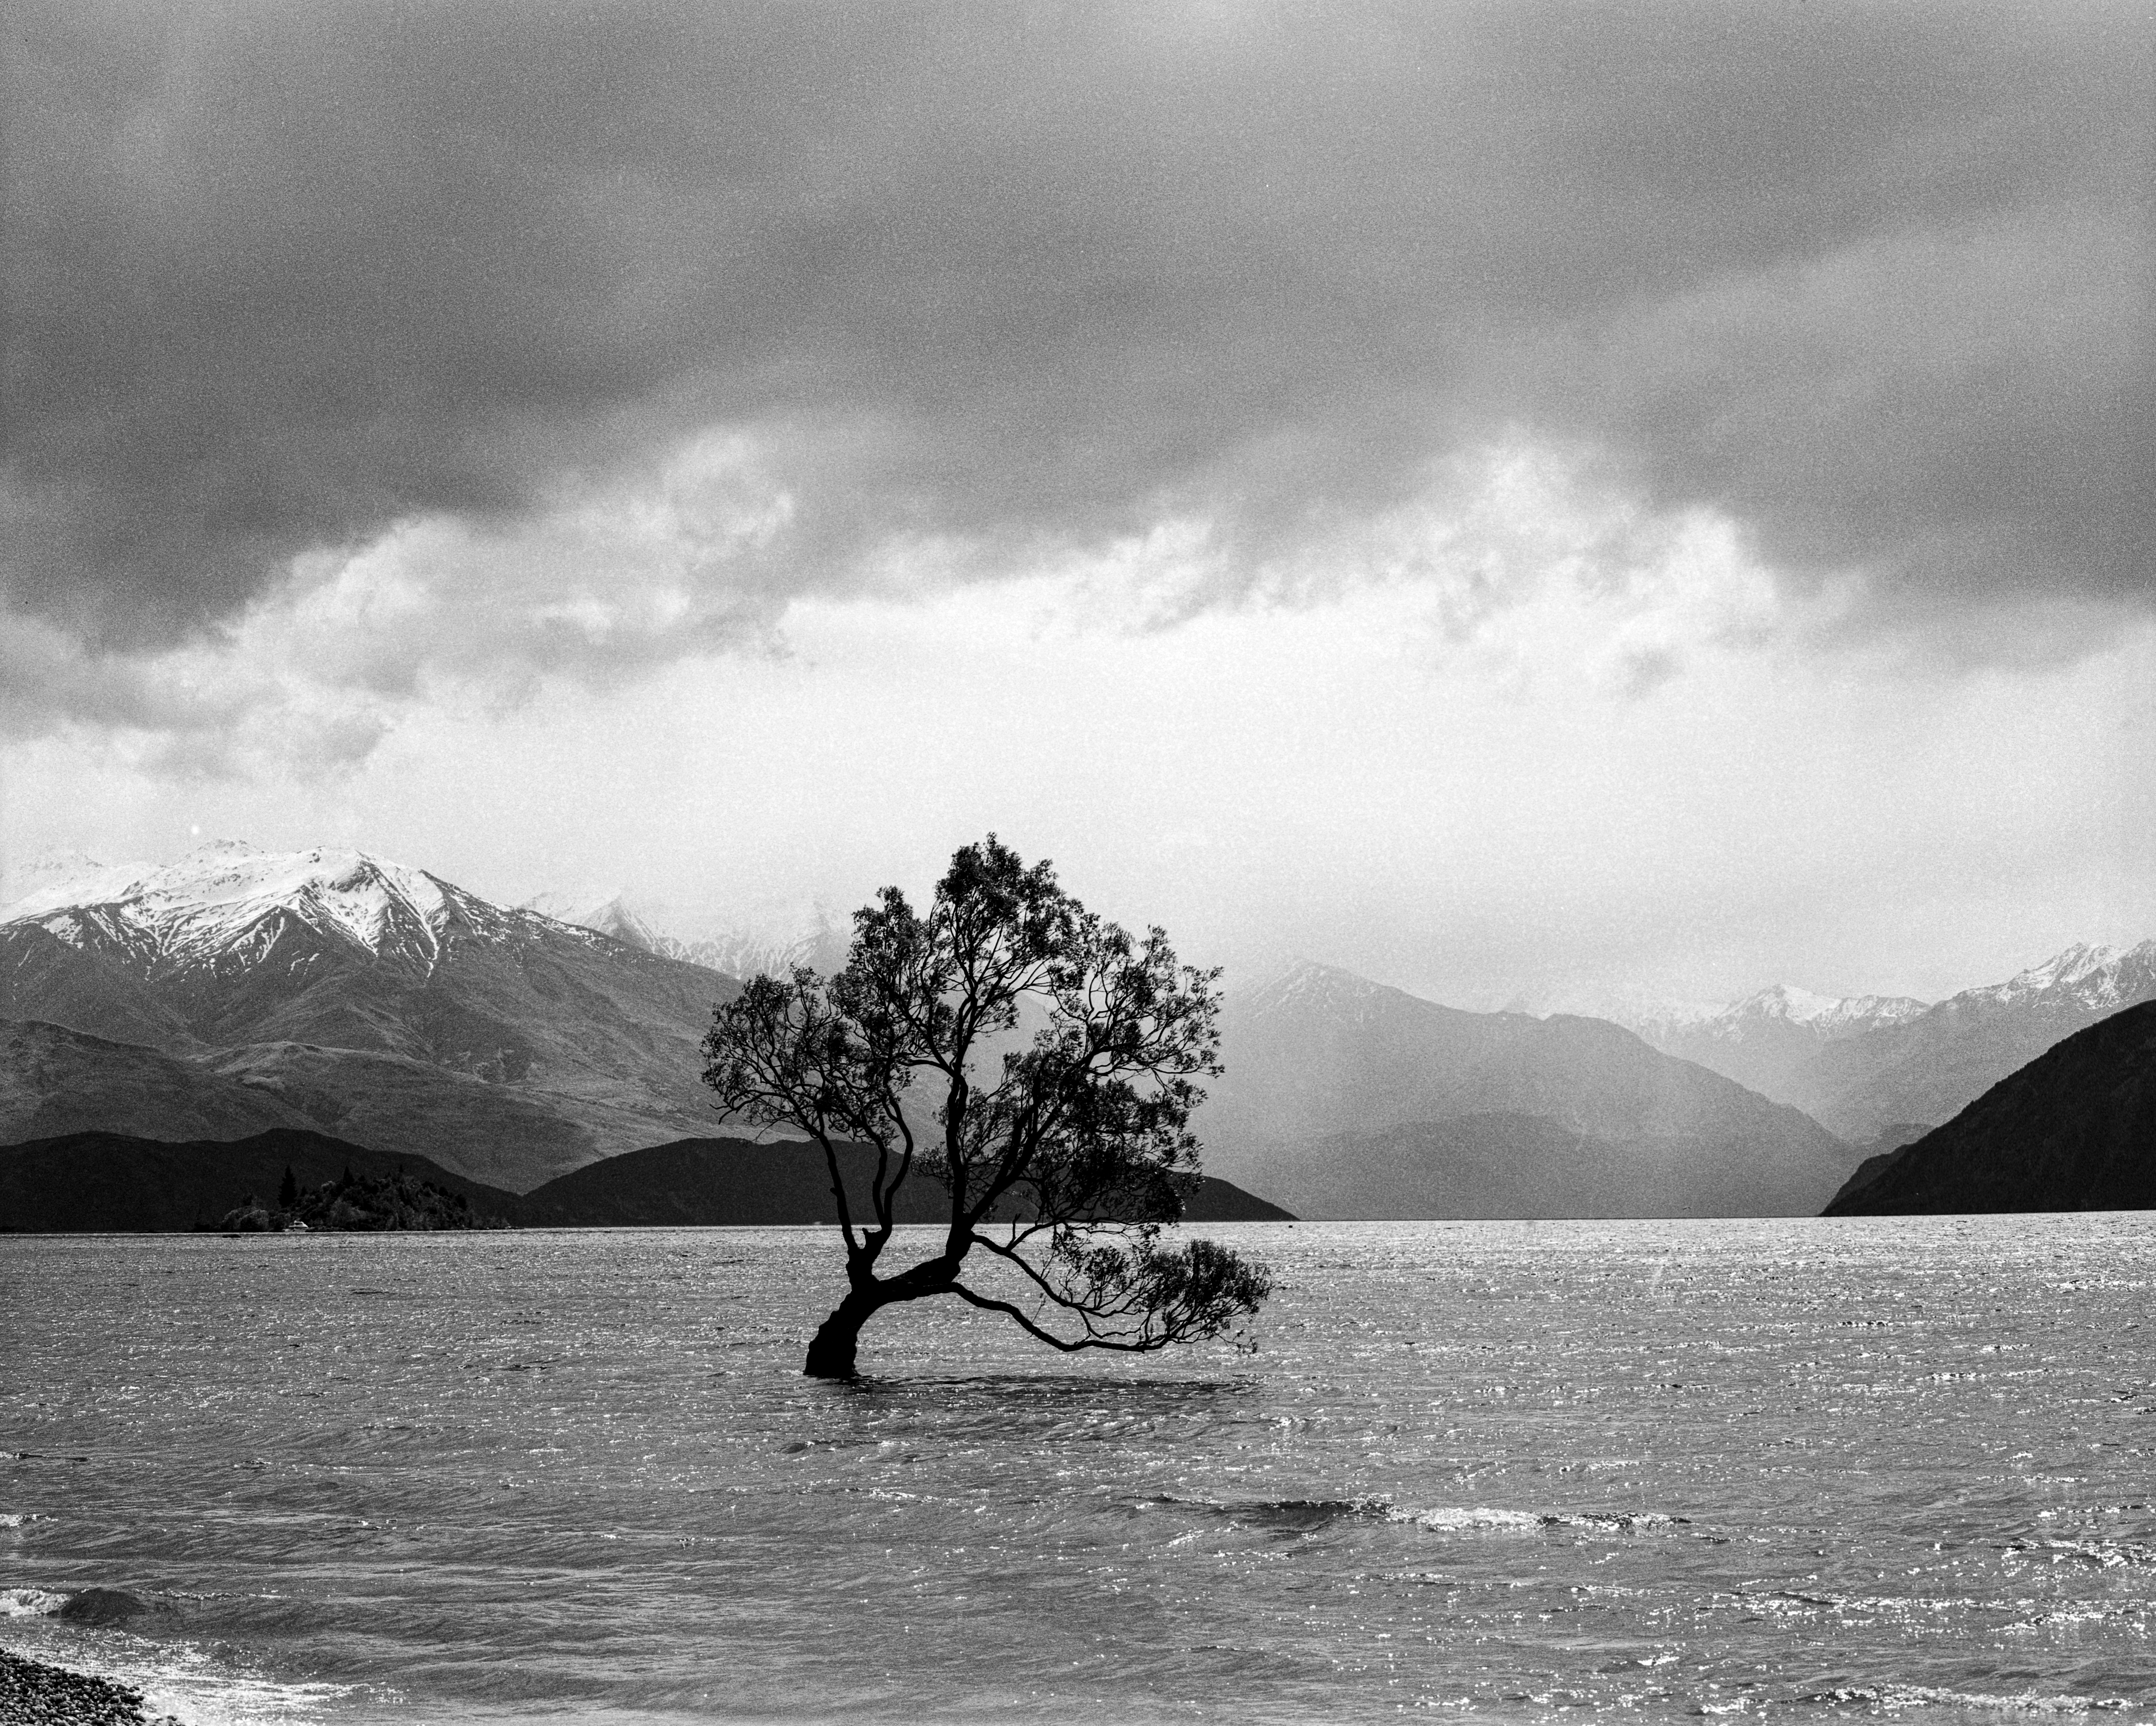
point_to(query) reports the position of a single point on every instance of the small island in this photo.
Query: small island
(363, 1203)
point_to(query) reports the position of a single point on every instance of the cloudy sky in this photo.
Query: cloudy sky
(1507, 498)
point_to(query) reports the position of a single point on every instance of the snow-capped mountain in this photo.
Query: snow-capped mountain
(377, 999)
(789, 935)
(2099, 979)
(22, 877)
(1826, 1016)
(228, 905)
(1930, 1067)
(1764, 1040)
(607, 915)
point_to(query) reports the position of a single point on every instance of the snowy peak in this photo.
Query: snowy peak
(1786, 1000)
(1767, 1040)
(229, 903)
(45, 871)
(607, 914)
(789, 935)
(2088, 976)
(1306, 986)
(1829, 1015)
(1307, 993)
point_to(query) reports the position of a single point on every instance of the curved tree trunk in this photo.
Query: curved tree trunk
(831, 1350)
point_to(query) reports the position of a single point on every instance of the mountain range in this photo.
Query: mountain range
(236, 991)
(1343, 1098)
(353, 995)
(1767, 1040)
(739, 950)
(1873, 1069)
(1878, 1064)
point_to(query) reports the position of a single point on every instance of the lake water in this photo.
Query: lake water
(1899, 1469)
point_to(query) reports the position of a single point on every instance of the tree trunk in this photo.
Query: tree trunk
(831, 1350)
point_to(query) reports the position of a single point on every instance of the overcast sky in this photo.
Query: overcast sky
(1509, 499)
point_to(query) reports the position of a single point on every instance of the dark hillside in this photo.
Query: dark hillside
(707, 1182)
(114, 1183)
(2073, 1130)
(117, 1183)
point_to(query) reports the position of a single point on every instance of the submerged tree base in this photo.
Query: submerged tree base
(831, 1351)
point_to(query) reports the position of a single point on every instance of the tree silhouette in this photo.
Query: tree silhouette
(288, 1190)
(1059, 1152)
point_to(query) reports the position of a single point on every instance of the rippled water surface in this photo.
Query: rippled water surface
(1900, 1469)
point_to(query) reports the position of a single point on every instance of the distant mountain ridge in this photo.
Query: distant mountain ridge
(1766, 1040)
(1930, 1067)
(734, 949)
(1346, 1097)
(368, 999)
(1863, 1064)
(236, 990)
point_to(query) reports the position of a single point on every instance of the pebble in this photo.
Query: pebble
(34, 1694)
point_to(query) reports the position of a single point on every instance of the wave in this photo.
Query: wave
(2103, 1554)
(2025, 1702)
(29, 1602)
(1451, 1519)
(1306, 1515)
(1298, 1514)
(19, 1519)
(180, 1682)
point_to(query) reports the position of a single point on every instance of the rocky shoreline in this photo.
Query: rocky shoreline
(34, 1694)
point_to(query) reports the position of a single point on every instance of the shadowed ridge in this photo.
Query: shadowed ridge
(1931, 1066)
(2073, 1130)
(712, 1182)
(85, 1183)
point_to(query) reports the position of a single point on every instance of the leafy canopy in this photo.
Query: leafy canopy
(1034, 1060)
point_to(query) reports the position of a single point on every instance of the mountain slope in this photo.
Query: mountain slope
(1327, 1071)
(2074, 1130)
(367, 992)
(1765, 1040)
(1931, 1067)
(53, 1081)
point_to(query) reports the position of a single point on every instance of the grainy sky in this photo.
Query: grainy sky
(1506, 497)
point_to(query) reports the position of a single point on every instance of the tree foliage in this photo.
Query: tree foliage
(1039, 1062)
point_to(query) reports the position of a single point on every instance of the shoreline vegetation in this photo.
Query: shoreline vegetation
(38, 1694)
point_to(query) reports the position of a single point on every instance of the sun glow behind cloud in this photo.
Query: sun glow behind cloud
(1520, 732)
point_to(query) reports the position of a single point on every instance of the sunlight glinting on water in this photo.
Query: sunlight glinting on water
(1886, 1469)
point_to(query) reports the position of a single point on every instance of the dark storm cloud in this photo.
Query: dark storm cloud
(1875, 280)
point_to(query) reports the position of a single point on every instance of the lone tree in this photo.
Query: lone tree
(1058, 1153)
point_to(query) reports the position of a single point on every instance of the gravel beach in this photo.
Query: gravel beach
(34, 1694)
